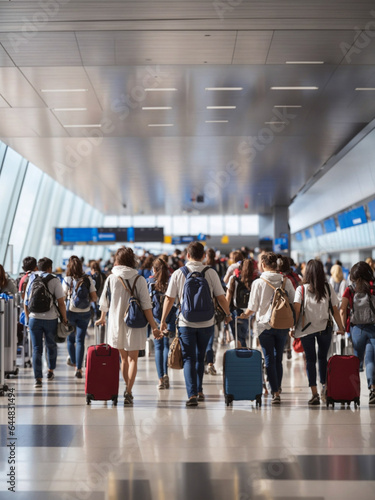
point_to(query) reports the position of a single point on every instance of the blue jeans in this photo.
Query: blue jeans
(361, 336)
(273, 342)
(38, 328)
(210, 350)
(308, 343)
(194, 343)
(161, 355)
(76, 340)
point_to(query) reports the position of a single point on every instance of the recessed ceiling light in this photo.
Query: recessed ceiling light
(223, 88)
(160, 124)
(83, 126)
(221, 107)
(217, 121)
(69, 109)
(156, 107)
(160, 90)
(304, 62)
(294, 88)
(365, 88)
(287, 106)
(64, 90)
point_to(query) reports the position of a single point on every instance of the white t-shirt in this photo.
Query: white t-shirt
(54, 287)
(68, 283)
(261, 296)
(315, 312)
(176, 287)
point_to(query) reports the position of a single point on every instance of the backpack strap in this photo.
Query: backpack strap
(205, 269)
(330, 308)
(132, 288)
(185, 271)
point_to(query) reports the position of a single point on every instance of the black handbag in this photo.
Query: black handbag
(329, 328)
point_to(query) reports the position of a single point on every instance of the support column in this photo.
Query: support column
(274, 233)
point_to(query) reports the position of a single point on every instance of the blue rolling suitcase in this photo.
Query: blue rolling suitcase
(243, 374)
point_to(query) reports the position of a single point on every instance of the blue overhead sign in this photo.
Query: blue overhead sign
(352, 217)
(330, 225)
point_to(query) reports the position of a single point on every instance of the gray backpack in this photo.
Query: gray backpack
(363, 309)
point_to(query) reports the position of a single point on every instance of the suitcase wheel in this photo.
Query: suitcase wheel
(228, 400)
(88, 399)
(258, 401)
(114, 400)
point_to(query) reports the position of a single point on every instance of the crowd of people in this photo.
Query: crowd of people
(326, 298)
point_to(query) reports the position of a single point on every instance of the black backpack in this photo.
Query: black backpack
(41, 300)
(241, 294)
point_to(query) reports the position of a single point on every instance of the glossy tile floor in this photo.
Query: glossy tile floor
(159, 449)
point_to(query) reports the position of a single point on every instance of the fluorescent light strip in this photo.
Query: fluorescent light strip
(160, 124)
(217, 121)
(156, 107)
(365, 88)
(83, 126)
(294, 88)
(304, 62)
(221, 107)
(161, 90)
(69, 109)
(64, 90)
(273, 123)
(287, 106)
(223, 88)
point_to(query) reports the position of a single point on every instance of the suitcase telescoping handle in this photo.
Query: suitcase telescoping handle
(236, 333)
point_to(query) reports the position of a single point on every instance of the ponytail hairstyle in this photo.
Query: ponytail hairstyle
(269, 259)
(315, 277)
(247, 272)
(74, 268)
(210, 254)
(161, 275)
(361, 274)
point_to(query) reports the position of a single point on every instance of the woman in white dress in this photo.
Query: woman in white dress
(114, 301)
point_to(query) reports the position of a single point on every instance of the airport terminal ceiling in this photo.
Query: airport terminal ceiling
(178, 107)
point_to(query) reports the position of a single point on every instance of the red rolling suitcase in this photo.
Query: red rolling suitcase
(343, 381)
(102, 373)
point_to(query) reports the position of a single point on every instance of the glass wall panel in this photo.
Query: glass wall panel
(180, 225)
(231, 224)
(216, 225)
(199, 224)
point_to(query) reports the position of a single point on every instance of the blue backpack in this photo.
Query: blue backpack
(157, 299)
(197, 304)
(80, 293)
(134, 315)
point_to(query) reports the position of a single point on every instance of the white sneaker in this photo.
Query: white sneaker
(323, 395)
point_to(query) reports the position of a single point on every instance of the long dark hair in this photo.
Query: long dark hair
(210, 254)
(315, 277)
(74, 268)
(147, 264)
(161, 275)
(361, 274)
(247, 272)
(3, 277)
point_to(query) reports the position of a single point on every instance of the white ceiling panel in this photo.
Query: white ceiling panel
(305, 45)
(43, 49)
(33, 122)
(252, 47)
(74, 84)
(17, 90)
(3, 103)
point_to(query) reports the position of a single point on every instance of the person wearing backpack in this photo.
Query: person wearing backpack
(316, 302)
(115, 301)
(157, 286)
(194, 285)
(42, 291)
(80, 291)
(270, 290)
(238, 294)
(360, 298)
